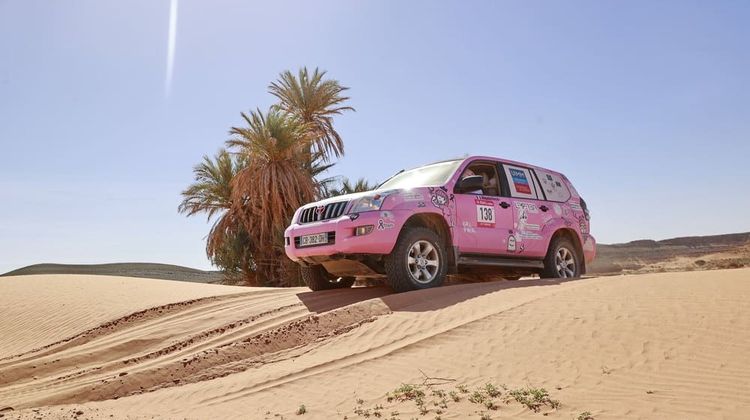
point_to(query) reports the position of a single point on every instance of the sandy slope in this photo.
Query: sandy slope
(672, 345)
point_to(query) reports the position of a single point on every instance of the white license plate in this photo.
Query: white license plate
(310, 240)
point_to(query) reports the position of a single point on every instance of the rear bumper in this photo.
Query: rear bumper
(386, 226)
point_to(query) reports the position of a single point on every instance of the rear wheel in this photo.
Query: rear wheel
(562, 260)
(317, 278)
(418, 261)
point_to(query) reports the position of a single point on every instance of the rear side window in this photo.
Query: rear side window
(554, 186)
(520, 182)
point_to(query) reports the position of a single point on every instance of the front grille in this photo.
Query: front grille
(331, 241)
(318, 213)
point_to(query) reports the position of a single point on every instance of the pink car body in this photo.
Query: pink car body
(506, 228)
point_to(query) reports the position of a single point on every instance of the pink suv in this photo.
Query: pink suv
(476, 216)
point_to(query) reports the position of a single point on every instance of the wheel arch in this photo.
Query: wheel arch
(572, 235)
(435, 222)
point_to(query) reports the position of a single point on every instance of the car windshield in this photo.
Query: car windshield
(424, 176)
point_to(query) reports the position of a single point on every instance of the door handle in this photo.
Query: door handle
(504, 205)
(543, 208)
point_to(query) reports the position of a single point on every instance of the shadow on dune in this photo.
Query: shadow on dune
(416, 301)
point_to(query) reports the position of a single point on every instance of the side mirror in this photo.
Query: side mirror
(470, 183)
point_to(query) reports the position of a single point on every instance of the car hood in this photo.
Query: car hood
(350, 197)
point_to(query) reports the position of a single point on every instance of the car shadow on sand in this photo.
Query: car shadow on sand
(415, 301)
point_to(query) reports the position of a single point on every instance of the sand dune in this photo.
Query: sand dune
(129, 269)
(671, 345)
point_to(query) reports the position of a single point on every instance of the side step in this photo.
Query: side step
(500, 262)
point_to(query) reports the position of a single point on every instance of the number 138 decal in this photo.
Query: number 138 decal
(485, 213)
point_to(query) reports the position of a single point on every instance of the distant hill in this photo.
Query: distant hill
(147, 270)
(677, 254)
(641, 256)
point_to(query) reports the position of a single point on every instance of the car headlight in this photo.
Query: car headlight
(371, 203)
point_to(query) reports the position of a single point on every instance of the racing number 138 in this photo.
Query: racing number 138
(485, 215)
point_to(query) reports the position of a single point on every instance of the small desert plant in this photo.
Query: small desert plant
(301, 410)
(491, 390)
(454, 396)
(485, 416)
(405, 392)
(534, 398)
(462, 389)
(585, 416)
(477, 397)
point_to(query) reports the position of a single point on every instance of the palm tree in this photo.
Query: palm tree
(314, 102)
(275, 182)
(347, 187)
(211, 193)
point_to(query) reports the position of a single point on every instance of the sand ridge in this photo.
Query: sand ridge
(648, 346)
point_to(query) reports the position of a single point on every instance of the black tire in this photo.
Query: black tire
(553, 266)
(400, 276)
(317, 278)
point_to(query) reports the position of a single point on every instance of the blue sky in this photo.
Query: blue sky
(644, 105)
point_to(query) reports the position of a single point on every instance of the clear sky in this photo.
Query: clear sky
(644, 105)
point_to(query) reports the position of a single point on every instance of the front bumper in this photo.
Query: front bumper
(386, 227)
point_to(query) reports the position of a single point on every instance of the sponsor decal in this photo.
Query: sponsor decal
(467, 227)
(520, 182)
(530, 235)
(412, 196)
(439, 197)
(512, 243)
(386, 215)
(382, 225)
(528, 207)
(583, 226)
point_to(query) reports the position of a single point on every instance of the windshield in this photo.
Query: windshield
(425, 176)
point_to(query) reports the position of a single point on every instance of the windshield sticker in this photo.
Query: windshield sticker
(485, 213)
(520, 182)
(553, 186)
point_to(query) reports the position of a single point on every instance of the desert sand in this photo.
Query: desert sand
(666, 345)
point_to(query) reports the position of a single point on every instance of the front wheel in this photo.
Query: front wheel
(418, 261)
(317, 278)
(562, 260)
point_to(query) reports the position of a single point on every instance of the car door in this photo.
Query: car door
(525, 237)
(483, 217)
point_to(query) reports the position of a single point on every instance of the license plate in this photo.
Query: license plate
(310, 240)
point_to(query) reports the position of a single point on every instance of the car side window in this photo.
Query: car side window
(521, 183)
(488, 172)
(554, 186)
